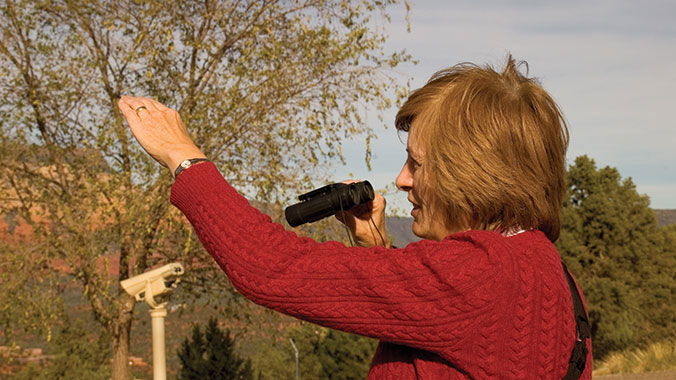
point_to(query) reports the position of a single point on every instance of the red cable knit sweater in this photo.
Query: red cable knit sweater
(476, 305)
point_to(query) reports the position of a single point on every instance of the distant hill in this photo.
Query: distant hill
(666, 217)
(399, 228)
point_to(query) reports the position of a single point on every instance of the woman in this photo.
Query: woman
(484, 296)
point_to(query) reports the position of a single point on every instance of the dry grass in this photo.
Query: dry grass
(657, 357)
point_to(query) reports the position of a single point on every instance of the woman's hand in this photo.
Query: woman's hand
(159, 130)
(367, 222)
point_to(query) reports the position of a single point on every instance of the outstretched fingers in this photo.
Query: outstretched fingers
(127, 106)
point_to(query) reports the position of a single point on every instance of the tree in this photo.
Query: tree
(345, 356)
(28, 303)
(74, 356)
(277, 360)
(323, 354)
(269, 88)
(622, 260)
(210, 355)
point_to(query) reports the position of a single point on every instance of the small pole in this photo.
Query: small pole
(295, 349)
(159, 358)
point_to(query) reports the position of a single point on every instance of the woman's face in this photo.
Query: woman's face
(429, 219)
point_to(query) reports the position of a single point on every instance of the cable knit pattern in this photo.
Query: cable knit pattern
(476, 305)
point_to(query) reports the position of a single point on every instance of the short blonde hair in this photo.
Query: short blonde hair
(495, 146)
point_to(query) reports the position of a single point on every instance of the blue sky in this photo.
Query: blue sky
(610, 65)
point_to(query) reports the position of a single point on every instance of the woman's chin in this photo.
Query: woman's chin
(418, 230)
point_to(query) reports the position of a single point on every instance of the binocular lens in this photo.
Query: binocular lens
(327, 200)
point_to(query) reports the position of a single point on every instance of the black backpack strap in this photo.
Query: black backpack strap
(578, 358)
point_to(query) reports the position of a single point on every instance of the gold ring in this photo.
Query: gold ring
(141, 108)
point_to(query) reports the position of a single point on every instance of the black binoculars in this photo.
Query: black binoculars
(326, 201)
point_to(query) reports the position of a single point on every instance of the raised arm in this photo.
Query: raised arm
(420, 296)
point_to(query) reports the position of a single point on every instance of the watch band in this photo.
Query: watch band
(186, 164)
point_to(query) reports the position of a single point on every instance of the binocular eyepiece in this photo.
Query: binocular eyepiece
(326, 201)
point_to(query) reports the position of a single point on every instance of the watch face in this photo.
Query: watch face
(185, 164)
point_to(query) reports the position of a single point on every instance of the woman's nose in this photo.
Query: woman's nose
(404, 180)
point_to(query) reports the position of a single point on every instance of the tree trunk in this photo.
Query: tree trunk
(121, 369)
(120, 339)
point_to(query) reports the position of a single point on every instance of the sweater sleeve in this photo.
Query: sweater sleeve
(427, 295)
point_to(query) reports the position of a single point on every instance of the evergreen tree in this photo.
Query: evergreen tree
(622, 260)
(307, 337)
(210, 355)
(324, 354)
(345, 356)
(191, 356)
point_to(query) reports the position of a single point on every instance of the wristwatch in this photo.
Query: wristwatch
(186, 164)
